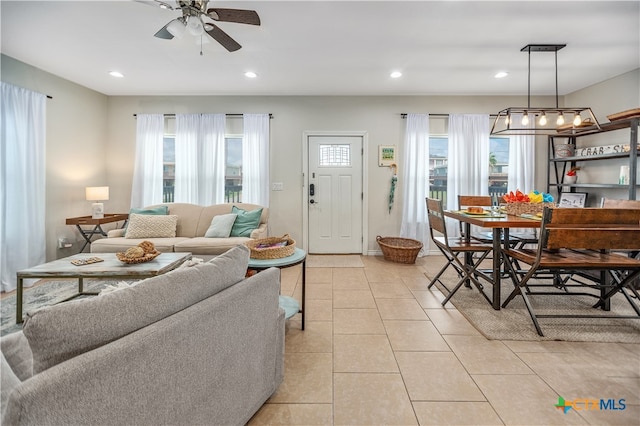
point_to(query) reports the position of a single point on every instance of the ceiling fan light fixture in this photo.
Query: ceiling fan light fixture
(194, 25)
(176, 27)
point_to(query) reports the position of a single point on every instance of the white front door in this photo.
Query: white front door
(335, 195)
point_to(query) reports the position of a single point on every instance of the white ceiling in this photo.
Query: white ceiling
(330, 48)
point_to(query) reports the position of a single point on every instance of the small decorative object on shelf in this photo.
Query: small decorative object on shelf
(571, 176)
(563, 150)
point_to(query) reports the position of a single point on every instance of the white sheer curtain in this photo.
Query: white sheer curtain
(415, 180)
(147, 171)
(212, 159)
(186, 149)
(468, 171)
(255, 159)
(521, 161)
(22, 182)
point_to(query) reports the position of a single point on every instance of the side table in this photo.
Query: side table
(299, 256)
(87, 233)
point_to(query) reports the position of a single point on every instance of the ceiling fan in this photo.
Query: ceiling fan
(196, 19)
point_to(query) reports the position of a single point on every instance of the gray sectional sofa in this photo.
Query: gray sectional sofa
(193, 223)
(200, 345)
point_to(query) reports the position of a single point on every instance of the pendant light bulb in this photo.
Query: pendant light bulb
(507, 119)
(525, 119)
(543, 119)
(560, 120)
(577, 120)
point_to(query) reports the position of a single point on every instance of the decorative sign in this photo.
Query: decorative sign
(386, 155)
(602, 150)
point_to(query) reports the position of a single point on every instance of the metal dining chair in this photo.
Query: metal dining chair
(452, 248)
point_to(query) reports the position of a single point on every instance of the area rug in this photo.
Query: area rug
(45, 293)
(514, 322)
(334, 261)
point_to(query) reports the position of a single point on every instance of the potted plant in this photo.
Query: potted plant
(571, 176)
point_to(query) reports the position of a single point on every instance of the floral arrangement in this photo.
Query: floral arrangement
(531, 197)
(519, 203)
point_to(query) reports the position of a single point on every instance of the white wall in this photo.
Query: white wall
(76, 146)
(380, 117)
(91, 140)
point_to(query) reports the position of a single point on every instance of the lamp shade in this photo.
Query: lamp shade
(97, 193)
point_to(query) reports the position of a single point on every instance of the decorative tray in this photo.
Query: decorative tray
(142, 259)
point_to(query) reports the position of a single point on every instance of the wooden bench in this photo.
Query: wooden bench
(576, 240)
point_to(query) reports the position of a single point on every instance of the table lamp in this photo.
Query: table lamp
(97, 194)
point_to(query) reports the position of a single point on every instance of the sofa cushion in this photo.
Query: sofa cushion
(204, 246)
(8, 382)
(115, 245)
(17, 352)
(221, 226)
(246, 221)
(60, 332)
(151, 226)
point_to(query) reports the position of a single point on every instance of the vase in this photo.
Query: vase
(570, 179)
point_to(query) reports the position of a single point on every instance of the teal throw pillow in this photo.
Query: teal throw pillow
(160, 210)
(246, 221)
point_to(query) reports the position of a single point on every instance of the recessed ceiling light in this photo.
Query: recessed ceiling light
(501, 74)
(116, 74)
(250, 74)
(396, 74)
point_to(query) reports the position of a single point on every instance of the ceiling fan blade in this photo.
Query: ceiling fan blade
(163, 33)
(221, 37)
(239, 16)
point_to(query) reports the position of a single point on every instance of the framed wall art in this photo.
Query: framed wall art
(386, 155)
(573, 199)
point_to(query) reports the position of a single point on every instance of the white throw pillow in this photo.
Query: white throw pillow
(221, 226)
(151, 226)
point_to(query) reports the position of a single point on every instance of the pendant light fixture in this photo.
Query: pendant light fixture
(548, 120)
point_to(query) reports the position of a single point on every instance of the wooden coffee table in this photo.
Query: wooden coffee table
(110, 268)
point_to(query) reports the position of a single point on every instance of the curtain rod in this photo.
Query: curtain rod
(228, 115)
(404, 115)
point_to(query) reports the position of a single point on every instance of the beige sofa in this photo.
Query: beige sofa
(193, 222)
(201, 345)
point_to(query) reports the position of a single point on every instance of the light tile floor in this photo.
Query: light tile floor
(379, 349)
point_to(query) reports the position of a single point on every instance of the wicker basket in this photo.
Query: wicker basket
(399, 250)
(146, 258)
(260, 249)
(518, 208)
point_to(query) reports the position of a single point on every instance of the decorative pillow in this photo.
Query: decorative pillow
(160, 210)
(246, 221)
(221, 226)
(151, 226)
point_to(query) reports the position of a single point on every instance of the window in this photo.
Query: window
(438, 166)
(334, 156)
(233, 168)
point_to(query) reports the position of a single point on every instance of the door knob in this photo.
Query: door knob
(311, 201)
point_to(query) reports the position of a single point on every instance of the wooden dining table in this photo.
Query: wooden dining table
(500, 226)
